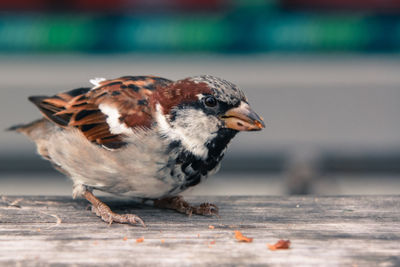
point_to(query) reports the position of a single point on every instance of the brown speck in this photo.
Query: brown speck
(38, 230)
(281, 244)
(140, 240)
(241, 238)
(198, 235)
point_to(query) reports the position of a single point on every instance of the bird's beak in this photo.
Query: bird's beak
(242, 118)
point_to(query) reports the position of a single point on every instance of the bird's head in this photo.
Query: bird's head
(199, 109)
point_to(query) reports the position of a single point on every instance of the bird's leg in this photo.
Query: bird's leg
(107, 215)
(180, 205)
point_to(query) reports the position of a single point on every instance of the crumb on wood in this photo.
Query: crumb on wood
(241, 238)
(140, 240)
(211, 227)
(281, 244)
(125, 238)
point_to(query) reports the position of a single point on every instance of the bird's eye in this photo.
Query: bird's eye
(210, 101)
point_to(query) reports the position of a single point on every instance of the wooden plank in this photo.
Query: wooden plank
(324, 231)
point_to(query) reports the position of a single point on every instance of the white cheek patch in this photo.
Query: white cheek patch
(96, 82)
(193, 129)
(116, 127)
(163, 124)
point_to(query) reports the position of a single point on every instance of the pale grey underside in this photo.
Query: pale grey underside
(141, 169)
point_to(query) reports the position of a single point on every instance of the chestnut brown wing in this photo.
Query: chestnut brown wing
(107, 112)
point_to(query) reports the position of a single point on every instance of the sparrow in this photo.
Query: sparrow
(142, 137)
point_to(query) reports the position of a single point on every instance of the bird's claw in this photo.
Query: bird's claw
(206, 209)
(179, 204)
(107, 215)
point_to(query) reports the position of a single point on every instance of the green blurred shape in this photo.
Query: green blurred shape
(254, 5)
(46, 33)
(314, 33)
(19, 33)
(249, 32)
(70, 33)
(180, 34)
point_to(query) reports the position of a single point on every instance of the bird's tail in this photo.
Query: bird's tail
(29, 128)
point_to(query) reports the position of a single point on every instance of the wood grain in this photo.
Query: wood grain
(324, 231)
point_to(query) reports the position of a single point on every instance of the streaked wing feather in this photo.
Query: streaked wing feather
(79, 108)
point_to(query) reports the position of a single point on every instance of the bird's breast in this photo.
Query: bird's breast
(187, 170)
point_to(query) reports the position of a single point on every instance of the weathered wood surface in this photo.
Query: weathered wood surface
(324, 231)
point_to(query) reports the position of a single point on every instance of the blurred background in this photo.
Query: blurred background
(325, 75)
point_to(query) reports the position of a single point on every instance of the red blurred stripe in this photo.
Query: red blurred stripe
(23, 4)
(203, 4)
(98, 5)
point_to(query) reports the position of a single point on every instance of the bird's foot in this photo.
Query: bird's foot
(178, 204)
(107, 215)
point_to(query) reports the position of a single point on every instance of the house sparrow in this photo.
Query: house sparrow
(141, 136)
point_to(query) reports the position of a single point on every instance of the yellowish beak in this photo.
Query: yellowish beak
(243, 118)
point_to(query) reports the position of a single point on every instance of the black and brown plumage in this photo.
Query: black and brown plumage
(141, 136)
